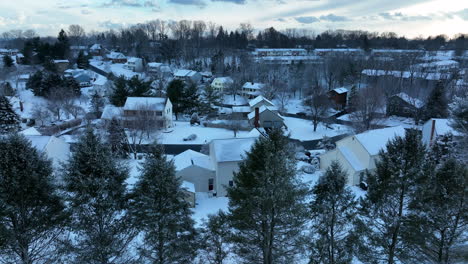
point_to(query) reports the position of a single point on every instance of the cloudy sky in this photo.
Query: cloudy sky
(405, 17)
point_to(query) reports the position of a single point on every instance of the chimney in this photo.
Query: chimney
(257, 118)
(21, 106)
(432, 131)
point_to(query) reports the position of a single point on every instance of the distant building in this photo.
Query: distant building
(116, 57)
(266, 117)
(134, 64)
(220, 84)
(187, 75)
(83, 80)
(96, 50)
(55, 148)
(358, 153)
(154, 107)
(61, 65)
(283, 56)
(436, 127)
(402, 104)
(9, 52)
(251, 90)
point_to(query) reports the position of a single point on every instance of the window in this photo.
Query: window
(231, 183)
(210, 184)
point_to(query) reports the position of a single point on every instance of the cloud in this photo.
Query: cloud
(86, 12)
(307, 19)
(124, 3)
(463, 14)
(111, 24)
(334, 18)
(239, 2)
(280, 20)
(402, 17)
(198, 3)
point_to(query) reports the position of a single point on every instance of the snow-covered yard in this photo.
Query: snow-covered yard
(229, 100)
(303, 130)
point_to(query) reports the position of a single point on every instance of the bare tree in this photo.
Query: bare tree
(318, 104)
(369, 102)
(40, 114)
(76, 33)
(235, 123)
(142, 123)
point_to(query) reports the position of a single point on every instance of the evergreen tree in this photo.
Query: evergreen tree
(82, 61)
(459, 122)
(120, 93)
(72, 85)
(266, 203)
(97, 199)
(137, 87)
(161, 212)
(437, 106)
(62, 46)
(175, 93)
(117, 139)
(333, 209)
(439, 210)
(34, 83)
(212, 96)
(7, 61)
(353, 98)
(190, 99)
(97, 103)
(215, 236)
(9, 120)
(385, 206)
(32, 215)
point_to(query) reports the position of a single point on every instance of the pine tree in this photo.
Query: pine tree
(175, 93)
(32, 215)
(117, 139)
(212, 96)
(120, 93)
(437, 106)
(97, 199)
(459, 122)
(190, 100)
(97, 103)
(385, 206)
(161, 212)
(215, 236)
(353, 98)
(439, 210)
(34, 83)
(62, 46)
(9, 120)
(82, 61)
(7, 61)
(138, 88)
(72, 85)
(266, 203)
(333, 210)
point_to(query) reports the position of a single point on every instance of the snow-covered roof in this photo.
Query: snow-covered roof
(184, 73)
(206, 74)
(281, 50)
(258, 99)
(407, 74)
(252, 85)
(410, 100)
(223, 80)
(442, 126)
(241, 109)
(375, 140)
(96, 47)
(116, 55)
(111, 111)
(133, 60)
(262, 109)
(39, 142)
(351, 158)
(189, 158)
(155, 103)
(188, 186)
(442, 63)
(61, 61)
(233, 149)
(83, 77)
(155, 64)
(32, 131)
(340, 90)
(100, 80)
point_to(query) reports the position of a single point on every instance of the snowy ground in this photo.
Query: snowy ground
(229, 100)
(293, 106)
(390, 121)
(303, 130)
(176, 134)
(116, 68)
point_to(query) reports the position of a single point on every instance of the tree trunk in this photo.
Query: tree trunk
(392, 248)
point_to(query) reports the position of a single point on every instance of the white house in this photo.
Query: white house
(196, 168)
(260, 101)
(116, 57)
(101, 85)
(160, 108)
(188, 75)
(134, 64)
(251, 90)
(435, 127)
(358, 153)
(266, 117)
(55, 149)
(96, 49)
(226, 155)
(220, 84)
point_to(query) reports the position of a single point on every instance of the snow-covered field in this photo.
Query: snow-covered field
(303, 130)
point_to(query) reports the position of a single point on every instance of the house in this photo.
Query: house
(226, 154)
(154, 69)
(116, 57)
(61, 65)
(220, 84)
(55, 148)
(436, 127)
(96, 50)
(196, 168)
(251, 90)
(157, 108)
(266, 117)
(338, 97)
(134, 64)
(241, 111)
(83, 80)
(402, 104)
(9, 52)
(206, 76)
(258, 102)
(111, 112)
(19, 58)
(279, 52)
(101, 85)
(358, 153)
(188, 76)
(189, 193)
